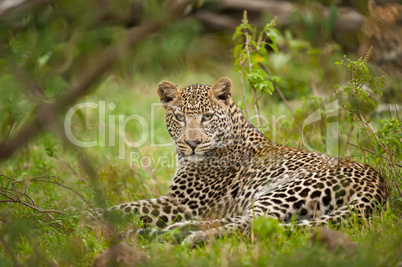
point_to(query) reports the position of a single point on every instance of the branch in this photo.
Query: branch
(6, 192)
(347, 20)
(282, 96)
(40, 179)
(372, 152)
(49, 111)
(33, 207)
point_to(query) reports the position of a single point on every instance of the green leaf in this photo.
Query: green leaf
(238, 32)
(237, 62)
(237, 49)
(276, 31)
(270, 88)
(263, 50)
(273, 46)
(276, 79)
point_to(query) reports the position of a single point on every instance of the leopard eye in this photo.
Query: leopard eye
(180, 117)
(207, 117)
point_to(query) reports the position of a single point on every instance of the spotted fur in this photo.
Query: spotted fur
(229, 172)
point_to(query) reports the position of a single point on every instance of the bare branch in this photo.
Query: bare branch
(7, 191)
(48, 111)
(34, 207)
(282, 96)
(38, 179)
(347, 20)
(372, 152)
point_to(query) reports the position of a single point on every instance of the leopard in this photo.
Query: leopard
(229, 173)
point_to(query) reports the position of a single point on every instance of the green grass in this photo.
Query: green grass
(66, 240)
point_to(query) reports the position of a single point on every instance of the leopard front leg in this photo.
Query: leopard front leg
(193, 232)
(156, 212)
(227, 229)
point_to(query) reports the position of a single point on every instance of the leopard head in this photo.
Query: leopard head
(198, 117)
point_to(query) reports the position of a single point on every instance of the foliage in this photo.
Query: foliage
(45, 50)
(251, 56)
(356, 100)
(356, 97)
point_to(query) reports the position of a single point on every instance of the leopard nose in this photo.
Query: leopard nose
(193, 143)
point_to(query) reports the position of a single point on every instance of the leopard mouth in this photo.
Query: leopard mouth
(199, 152)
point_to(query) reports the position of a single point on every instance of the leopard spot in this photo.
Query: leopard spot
(155, 213)
(304, 192)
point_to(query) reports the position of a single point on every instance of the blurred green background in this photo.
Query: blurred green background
(47, 47)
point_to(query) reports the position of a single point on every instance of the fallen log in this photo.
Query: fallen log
(230, 13)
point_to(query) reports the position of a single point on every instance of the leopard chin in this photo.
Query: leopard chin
(196, 157)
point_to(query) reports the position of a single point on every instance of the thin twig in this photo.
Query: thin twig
(350, 133)
(385, 148)
(247, 47)
(389, 112)
(35, 207)
(69, 188)
(255, 105)
(363, 125)
(258, 108)
(244, 95)
(72, 169)
(372, 152)
(248, 52)
(32, 204)
(281, 95)
(11, 200)
(367, 158)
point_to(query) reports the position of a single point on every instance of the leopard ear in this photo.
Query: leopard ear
(168, 93)
(222, 90)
